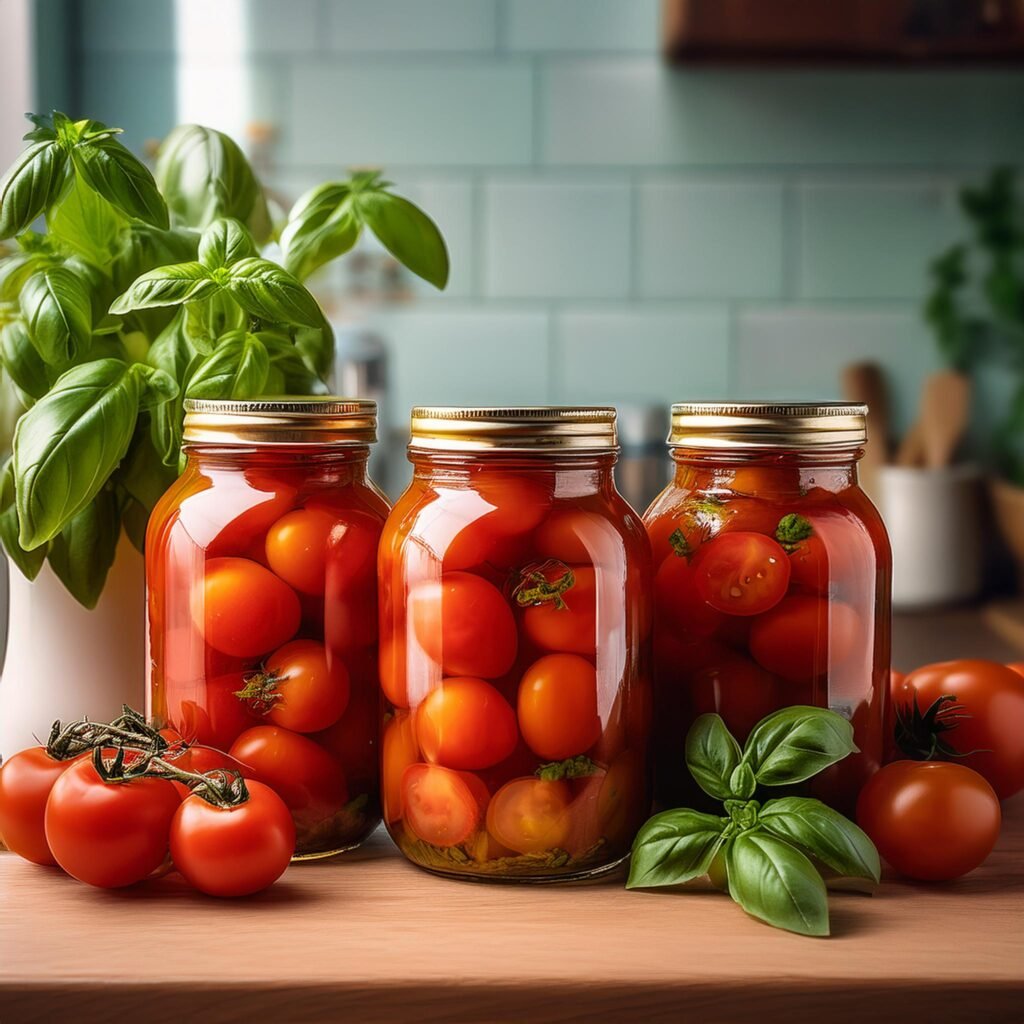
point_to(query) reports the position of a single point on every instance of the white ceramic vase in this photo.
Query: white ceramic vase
(65, 661)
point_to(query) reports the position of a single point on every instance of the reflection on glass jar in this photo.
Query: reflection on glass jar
(772, 582)
(515, 622)
(262, 611)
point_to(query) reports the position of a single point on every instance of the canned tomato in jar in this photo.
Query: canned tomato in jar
(772, 582)
(515, 621)
(262, 604)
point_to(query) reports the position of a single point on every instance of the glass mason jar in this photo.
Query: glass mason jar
(515, 621)
(772, 582)
(262, 604)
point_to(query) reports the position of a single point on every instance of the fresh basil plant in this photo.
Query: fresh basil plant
(144, 290)
(768, 852)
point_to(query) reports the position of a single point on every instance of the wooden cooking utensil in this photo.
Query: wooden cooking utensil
(865, 382)
(910, 451)
(945, 407)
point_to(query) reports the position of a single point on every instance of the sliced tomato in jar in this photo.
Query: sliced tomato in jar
(399, 750)
(565, 620)
(441, 806)
(466, 723)
(530, 815)
(741, 573)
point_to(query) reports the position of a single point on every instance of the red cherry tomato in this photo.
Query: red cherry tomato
(740, 691)
(499, 510)
(399, 750)
(442, 807)
(577, 537)
(306, 777)
(741, 573)
(464, 624)
(353, 739)
(109, 834)
(300, 690)
(1017, 666)
(678, 602)
(233, 851)
(765, 481)
(244, 609)
(350, 584)
(209, 713)
(392, 668)
(297, 547)
(530, 815)
(26, 779)
(809, 564)
(802, 636)
(609, 805)
(749, 515)
(930, 820)
(466, 723)
(570, 623)
(558, 706)
(984, 725)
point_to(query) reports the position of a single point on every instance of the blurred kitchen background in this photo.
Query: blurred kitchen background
(644, 201)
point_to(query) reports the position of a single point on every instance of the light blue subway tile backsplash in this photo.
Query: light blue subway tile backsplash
(110, 93)
(557, 239)
(464, 356)
(127, 26)
(710, 239)
(412, 111)
(640, 353)
(544, 26)
(355, 26)
(799, 353)
(872, 240)
(639, 111)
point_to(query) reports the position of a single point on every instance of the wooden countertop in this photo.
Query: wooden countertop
(368, 937)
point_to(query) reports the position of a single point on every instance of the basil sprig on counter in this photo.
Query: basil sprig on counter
(766, 849)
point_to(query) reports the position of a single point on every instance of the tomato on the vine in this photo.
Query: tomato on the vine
(244, 609)
(26, 779)
(297, 547)
(557, 706)
(981, 726)
(930, 820)
(442, 806)
(566, 621)
(236, 850)
(803, 635)
(464, 624)
(299, 687)
(741, 573)
(530, 815)
(466, 723)
(109, 834)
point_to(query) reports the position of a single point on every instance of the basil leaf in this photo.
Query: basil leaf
(22, 362)
(134, 519)
(29, 562)
(115, 173)
(167, 286)
(68, 443)
(265, 290)
(833, 839)
(289, 372)
(776, 883)
(141, 476)
(144, 248)
(86, 223)
(224, 242)
(58, 312)
(712, 755)
(204, 175)
(674, 847)
(406, 232)
(213, 317)
(795, 743)
(17, 268)
(321, 226)
(236, 368)
(157, 388)
(83, 552)
(30, 185)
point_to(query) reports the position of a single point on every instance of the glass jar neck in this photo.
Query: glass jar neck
(211, 457)
(695, 466)
(576, 473)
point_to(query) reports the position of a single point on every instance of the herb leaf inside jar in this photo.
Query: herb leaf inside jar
(770, 850)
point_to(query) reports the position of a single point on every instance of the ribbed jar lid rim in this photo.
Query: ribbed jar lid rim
(281, 420)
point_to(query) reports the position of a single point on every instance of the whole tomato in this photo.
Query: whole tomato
(558, 706)
(26, 779)
(236, 850)
(109, 834)
(297, 546)
(567, 622)
(981, 724)
(929, 819)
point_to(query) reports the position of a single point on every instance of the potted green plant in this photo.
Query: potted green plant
(140, 290)
(976, 310)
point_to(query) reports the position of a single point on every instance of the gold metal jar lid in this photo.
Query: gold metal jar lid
(281, 421)
(549, 428)
(734, 425)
